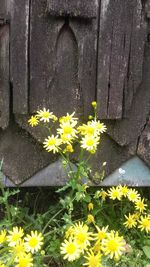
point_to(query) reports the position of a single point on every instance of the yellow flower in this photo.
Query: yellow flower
(24, 260)
(94, 104)
(2, 264)
(137, 215)
(144, 223)
(97, 247)
(85, 187)
(19, 249)
(65, 139)
(82, 129)
(94, 128)
(34, 241)
(93, 260)
(133, 195)
(124, 189)
(2, 236)
(33, 121)
(90, 206)
(101, 233)
(70, 249)
(14, 236)
(67, 131)
(130, 221)
(69, 149)
(52, 143)
(90, 219)
(90, 143)
(81, 235)
(99, 126)
(68, 118)
(54, 118)
(114, 245)
(103, 194)
(69, 232)
(45, 115)
(140, 205)
(115, 193)
(87, 129)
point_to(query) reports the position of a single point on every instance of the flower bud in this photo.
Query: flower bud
(94, 104)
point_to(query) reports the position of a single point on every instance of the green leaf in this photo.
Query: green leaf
(87, 198)
(147, 242)
(67, 219)
(79, 196)
(146, 250)
(64, 188)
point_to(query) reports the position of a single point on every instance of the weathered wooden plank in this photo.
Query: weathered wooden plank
(147, 9)
(127, 130)
(104, 53)
(75, 8)
(86, 35)
(4, 76)
(144, 144)
(113, 56)
(22, 156)
(116, 75)
(2, 8)
(43, 36)
(120, 42)
(61, 74)
(136, 55)
(19, 54)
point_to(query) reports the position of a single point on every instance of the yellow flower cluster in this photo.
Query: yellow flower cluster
(139, 218)
(20, 248)
(68, 131)
(42, 116)
(80, 242)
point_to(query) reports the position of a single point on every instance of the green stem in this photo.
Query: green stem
(8, 214)
(88, 158)
(68, 163)
(121, 207)
(80, 162)
(51, 220)
(10, 262)
(106, 217)
(50, 232)
(3, 250)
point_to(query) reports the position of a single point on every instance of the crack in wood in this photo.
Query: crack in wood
(110, 66)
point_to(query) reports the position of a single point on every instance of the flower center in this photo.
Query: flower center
(16, 237)
(130, 221)
(45, 115)
(146, 223)
(115, 194)
(89, 142)
(67, 130)
(93, 262)
(81, 238)
(133, 196)
(51, 142)
(112, 245)
(33, 242)
(141, 205)
(90, 130)
(71, 249)
(101, 235)
(23, 263)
